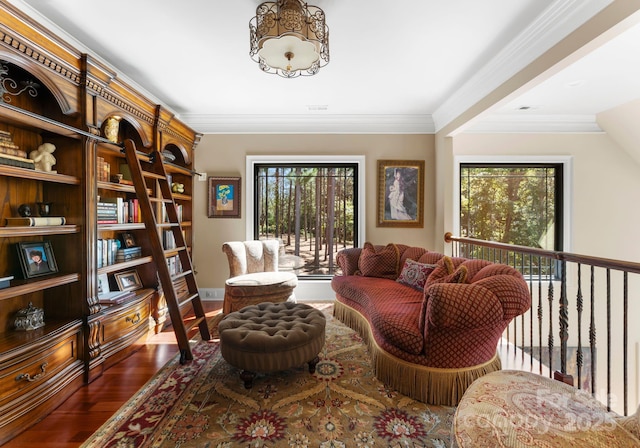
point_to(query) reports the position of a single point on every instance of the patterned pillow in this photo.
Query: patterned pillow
(415, 274)
(382, 262)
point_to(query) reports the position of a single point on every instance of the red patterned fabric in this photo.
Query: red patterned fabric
(451, 325)
(377, 261)
(347, 260)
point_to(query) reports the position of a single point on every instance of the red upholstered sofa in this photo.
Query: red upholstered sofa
(432, 323)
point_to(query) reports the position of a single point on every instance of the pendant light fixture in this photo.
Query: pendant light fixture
(289, 38)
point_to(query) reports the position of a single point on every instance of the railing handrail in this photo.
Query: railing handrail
(627, 266)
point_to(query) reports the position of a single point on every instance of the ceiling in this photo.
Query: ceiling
(404, 66)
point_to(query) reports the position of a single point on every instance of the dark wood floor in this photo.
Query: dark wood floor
(86, 410)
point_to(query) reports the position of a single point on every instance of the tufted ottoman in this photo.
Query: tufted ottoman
(269, 337)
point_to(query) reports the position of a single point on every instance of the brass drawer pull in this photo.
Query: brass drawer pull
(28, 377)
(134, 320)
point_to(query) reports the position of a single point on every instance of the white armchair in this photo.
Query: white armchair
(254, 277)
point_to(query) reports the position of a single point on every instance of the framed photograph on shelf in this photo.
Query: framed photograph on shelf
(103, 284)
(224, 197)
(36, 258)
(127, 280)
(127, 240)
(400, 193)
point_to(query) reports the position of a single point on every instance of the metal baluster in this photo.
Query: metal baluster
(579, 305)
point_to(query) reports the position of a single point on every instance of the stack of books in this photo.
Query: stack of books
(115, 297)
(5, 282)
(11, 154)
(108, 211)
(129, 253)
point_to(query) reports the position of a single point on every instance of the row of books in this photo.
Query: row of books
(165, 218)
(118, 211)
(174, 265)
(103, 170)
(109, 252)
(169, 241)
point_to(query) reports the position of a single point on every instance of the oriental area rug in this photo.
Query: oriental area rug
(203, 403)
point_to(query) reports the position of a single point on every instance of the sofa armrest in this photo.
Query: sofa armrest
(511, 290)
(460, 305)
(490, 301)
(347, 260)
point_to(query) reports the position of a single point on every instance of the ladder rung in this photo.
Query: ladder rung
(193, 323)
(173, 252)
(180, 275)
(165, 225)
(152, 175)
(187, 300)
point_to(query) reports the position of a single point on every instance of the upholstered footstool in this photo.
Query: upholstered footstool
(270, 337)
(515, 409)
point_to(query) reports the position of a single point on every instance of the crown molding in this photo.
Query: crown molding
(554, 24)
(503, 124)
(310, 124)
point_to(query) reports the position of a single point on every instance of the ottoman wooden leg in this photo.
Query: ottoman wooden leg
(312, 364)
(247, 377)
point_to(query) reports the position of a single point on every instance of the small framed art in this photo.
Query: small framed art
(224, 197)
(36, 258)
(127, 280)
(127, 240)
(400, 193)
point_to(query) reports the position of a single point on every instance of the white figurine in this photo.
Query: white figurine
(43, 157)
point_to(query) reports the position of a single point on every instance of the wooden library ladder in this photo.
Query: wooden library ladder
(154, 171)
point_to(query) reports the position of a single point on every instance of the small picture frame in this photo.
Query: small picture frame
(127, 240)
(400, 193)
(103, 284)
(224, 197)
(36, 259)
(128, 280)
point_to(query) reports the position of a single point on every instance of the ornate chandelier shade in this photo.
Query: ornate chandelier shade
(289, 38)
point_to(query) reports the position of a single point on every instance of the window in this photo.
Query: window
(311, 207)
(513, 203)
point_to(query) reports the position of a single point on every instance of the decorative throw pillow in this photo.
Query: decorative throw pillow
(415, 274)
(445, 272)
(382, 262)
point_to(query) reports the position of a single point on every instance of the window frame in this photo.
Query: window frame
(252, 161)
(567, 190)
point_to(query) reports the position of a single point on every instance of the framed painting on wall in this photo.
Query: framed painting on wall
(400, 193)
(224, 197)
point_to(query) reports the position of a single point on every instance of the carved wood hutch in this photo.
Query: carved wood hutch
(53, 93)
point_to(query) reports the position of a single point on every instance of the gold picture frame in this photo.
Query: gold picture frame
(128, 280)
(224, 197)
(400, 193)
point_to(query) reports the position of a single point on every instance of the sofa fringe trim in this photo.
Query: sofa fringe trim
(431, 385)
